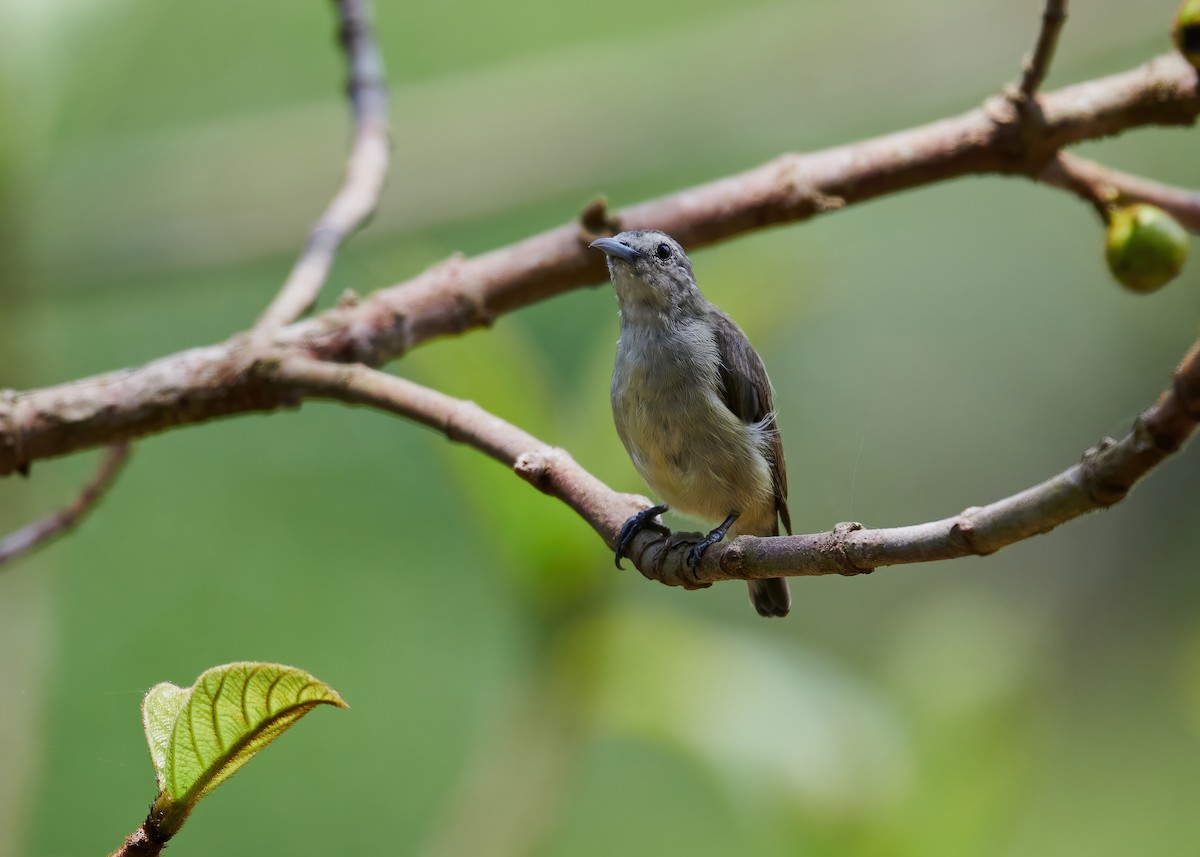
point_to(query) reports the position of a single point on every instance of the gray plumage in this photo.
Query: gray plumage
(692, 402)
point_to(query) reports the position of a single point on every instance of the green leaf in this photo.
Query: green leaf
(200, 736)
(159, 710)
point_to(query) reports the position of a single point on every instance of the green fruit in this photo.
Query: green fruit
(1186, 31)
(1145, 248)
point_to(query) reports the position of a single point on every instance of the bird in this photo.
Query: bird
(693, 406)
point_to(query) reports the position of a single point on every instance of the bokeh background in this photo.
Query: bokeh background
(160, 164)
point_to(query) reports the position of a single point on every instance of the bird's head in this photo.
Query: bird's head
(649, 269)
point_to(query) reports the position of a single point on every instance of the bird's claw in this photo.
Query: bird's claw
(697, 552)
(642, 520)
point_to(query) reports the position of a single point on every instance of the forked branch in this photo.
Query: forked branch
(330, 356)
(1103, 477)
(205, 383)
(1103, 187)
(363, 179)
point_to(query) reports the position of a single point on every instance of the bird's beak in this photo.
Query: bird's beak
(613, 247)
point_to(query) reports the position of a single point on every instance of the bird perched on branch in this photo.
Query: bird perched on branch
(693, 405)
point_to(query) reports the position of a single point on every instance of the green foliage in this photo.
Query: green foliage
(200, 736)
(809, 731)
(932, 349)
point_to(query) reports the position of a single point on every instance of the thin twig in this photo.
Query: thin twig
(1037, 63)
(363, 179)
(38, 533)
(219, 380)
(1103, 186)
(1103, 477)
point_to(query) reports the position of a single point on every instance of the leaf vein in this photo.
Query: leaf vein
(246, 689)
(271, 689)
(216, 722)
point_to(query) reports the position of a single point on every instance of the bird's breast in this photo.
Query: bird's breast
(690, 448)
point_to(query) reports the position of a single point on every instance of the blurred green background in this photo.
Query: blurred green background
(512, 694)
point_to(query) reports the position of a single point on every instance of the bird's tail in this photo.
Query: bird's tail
(770, 597)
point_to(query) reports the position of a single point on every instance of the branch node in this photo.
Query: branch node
(534, 467)
(596, 222)
(470, 296)
(841, 532)
(1103, 491)
(964, 528)
(803, 193)
(733, 558)
(1083, 179)
(673, 551)
(356, 337)
(663, 559)
(1001, 110)
(1146, 436)
(153, 826)
(1021, 126)
(473, 303)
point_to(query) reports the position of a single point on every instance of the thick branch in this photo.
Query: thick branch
(205, 383)
(39, 532)
(365, 172)
(460, 294)
(1104, 477)
(192, 386)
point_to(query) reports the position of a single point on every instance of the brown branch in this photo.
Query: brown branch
(146, 841)
(365, 171)
(1038, 62)
(40, 532)
(460, 294)
(1104, 476)
(549, 469)
(1103, 186)
(206, 383)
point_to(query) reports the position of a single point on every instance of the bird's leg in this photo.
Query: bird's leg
(712, 538)
(635, 525)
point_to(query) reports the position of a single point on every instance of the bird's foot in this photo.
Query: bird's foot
(635, 525)
(697, 552)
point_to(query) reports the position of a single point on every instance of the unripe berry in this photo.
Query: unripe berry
(1145, 247)
(1186, 32)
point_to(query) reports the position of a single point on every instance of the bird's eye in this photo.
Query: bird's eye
(663, 252)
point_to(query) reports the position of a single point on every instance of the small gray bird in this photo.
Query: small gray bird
(693, 405)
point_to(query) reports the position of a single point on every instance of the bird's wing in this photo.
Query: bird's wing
(746, 391)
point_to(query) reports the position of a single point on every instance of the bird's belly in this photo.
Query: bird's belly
(694, 453)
